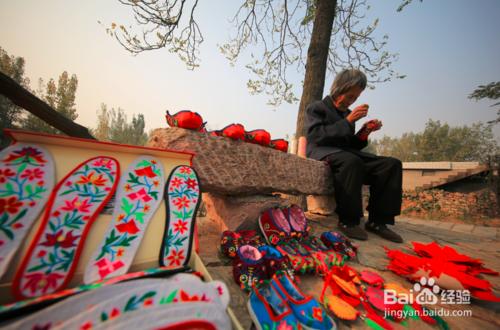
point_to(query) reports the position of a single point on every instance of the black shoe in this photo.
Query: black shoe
(355, 232)
(384, 232)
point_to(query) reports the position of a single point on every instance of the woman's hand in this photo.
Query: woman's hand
(358, 113)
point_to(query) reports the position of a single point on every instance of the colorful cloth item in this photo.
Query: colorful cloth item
(195, 315)
(108, 302)
(139, 195)
(31, 303)
(26, 181)
(182, 197)
(186, 119)
(443, 264)
(269, 310)
(73, 205)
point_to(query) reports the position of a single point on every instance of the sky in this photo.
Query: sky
(446, 49)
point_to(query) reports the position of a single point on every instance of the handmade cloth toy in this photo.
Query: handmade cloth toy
(140, 193)
(182, 198)
(258, 136)
(73, 206)
(279, 144)
(186, 119)
(26, 181)
(233, 131)
(231, 241)
(367, 128)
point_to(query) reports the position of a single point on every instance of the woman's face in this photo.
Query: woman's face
(344, 101)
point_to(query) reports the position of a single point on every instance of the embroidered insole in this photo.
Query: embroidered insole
(32, 304)
(107, 298)
(73, 205)
(138, 196)
(195, 315)
(26, 181)
(182, 196)
(181, 290)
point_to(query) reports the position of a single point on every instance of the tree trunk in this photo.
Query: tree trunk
(317, 56)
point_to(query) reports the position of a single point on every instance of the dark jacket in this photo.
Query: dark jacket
(329, 132)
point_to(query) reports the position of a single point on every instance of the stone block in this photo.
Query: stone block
(231, 168)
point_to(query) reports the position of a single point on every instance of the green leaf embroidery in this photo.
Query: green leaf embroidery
(154, 194)
(132, 178)
(143, 163)
(139, 216)
(169, 298)
(126, 206)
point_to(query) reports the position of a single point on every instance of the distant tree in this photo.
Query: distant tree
(490, 91)
(112, 126)
(60, 97)
(440, 142)
(13, 67)
(330, 29)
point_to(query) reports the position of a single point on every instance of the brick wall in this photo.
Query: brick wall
(440, 204)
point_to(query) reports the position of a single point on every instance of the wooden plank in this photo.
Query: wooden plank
(25, 99)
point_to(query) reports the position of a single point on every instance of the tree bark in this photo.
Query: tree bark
(317, 56)
(25, 99)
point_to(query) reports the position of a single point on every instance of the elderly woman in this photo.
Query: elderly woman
(331, 138)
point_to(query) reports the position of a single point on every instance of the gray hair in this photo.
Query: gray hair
(347, 79)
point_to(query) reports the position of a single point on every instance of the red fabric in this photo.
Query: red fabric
(280, 144)
(258, 136)
(186, 119)
(439, 260)
(234, 131)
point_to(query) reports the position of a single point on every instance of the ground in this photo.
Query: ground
(475, 241)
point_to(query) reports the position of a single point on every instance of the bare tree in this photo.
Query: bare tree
(280, 30)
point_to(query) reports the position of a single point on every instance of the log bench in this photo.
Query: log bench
(239, 180)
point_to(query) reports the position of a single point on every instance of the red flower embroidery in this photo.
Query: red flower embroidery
(175, 258)
(32, 174)
(127, 187)
(284, 326)
(185, 297)
(176, 182)
(97, 181)
(26, 155)
(41, 254)
(40, 281)
(185, 170)
(146, 171)
(191, 183)
(10, 205)
(17, 225)
(181, 202)
(318, 313)
(4, 174)
(76, 205)
(128, 227)
(103, 163)
(141, 194)
(180, 226)
(148, 302)
(119, 253)
(114, 313)
(86, 326)
(58, 239)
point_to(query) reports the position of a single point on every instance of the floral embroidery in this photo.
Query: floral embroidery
(26, 178)
(182, 200)
(137, 199)
(60, 236)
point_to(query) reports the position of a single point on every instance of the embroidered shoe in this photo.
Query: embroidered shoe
(298, 221)
(274, 226)
(248, 267)
(339, 243)
(323, 256)
(269, 310)
(276, 262)
(231, 241)
(305, 308)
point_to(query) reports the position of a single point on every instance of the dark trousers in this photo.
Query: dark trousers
(383, 174)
